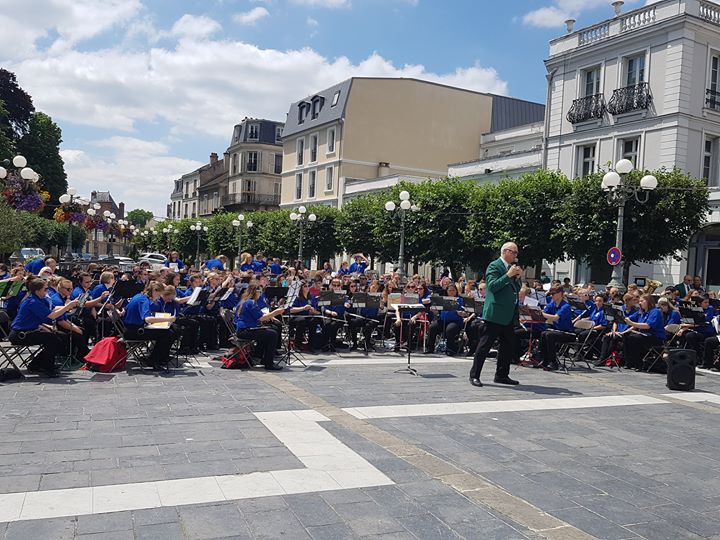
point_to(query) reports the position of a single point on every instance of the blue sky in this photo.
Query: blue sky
(144, 90)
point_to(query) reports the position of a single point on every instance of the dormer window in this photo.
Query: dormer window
(253, 132)
(336, 98)
(303, 110)
(278, 133)
(317, 104)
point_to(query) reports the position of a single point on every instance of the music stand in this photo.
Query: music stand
(408, 369)
(290, 293)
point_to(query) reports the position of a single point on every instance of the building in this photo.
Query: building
(508, 153)
(97, 242)
(374, 128)
(184, 198)
(643, 85)
(212, 186)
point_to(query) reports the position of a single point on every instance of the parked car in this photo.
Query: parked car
(155, 260)
(27, 254)
(125, 263)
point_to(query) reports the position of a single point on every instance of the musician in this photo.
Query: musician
(670, 315)
(694, 336)
(275, 267)
(216, 264)
(335, 317)
(211, 312)
(600, 325)
(36, 265)
(344, 269)
(406, 321)
(649, 331)
(613, 339)
(175, 262)
(449, 323)
(304, 307)
(697, 284)
(107, 281)
(559, 313)
(186, 327)
(248, 325)
(259, 263)
(360, 264)
(327, 267)
(246, 262)
(500, 313)
(75, 332)
(685, 287)
(273, 323)
(28, 327)
(4, 271)
(138, 314)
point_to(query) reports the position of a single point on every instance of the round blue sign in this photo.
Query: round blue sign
(614, 256)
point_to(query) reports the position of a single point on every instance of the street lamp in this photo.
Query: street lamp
(109, 217)
(404, 206)
(301, 217)
(67, 201)
(240, 223)
(618, 192)
(20, 180)
(199, 228)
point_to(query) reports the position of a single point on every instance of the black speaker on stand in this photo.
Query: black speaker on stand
(681, 369)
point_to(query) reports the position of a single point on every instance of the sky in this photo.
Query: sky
(145, 90)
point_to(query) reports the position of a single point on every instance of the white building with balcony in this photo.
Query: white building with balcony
(643, 85)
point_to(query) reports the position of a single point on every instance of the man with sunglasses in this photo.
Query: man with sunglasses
(503, 283)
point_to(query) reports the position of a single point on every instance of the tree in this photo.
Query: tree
(675, 211)
(357, 223)
(41, 146)
(18, 104)
(320, 239)
(12, 231)
(139, 217)
(6, 144)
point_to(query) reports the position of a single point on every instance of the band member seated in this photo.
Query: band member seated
(448, 323)
(336, 318)
(367, 321)
(612, 340)
(304, 323)
(248, 325)
(600, 324)
(75, 343)
(406, 322)
(694, 336)
(186, 327)
(670, 315)
(138, 314)
(559, 313)
(29, 327)
(528, 333)
(649, 331)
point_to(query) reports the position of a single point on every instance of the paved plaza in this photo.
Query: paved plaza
(347, 448)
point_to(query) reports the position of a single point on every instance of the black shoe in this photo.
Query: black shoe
(552, 366)
(353, 347)
(476, 382)
(273, 367)
(506, 380)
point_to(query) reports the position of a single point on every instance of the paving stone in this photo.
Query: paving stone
(593, 524)
(99, 523)
(335, 531)
(57, 529)
(275, 524)
(112, 535)
(427, 526)
(368, 518)
(212, 521)
(154, 516)
(312, 510)
(160, 531)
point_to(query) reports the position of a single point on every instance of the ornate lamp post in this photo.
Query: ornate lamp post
(301, 217)
(404, 206)
(241, 224)
(68, 199)
(169, 231)
(617, 194)
(20, 190)
(199, 228)
(109, 217)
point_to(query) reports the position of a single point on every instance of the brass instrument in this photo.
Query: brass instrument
(652, 284)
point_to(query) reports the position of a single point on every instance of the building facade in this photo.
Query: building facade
(643, 85)
(373, 128)
(97, 242)
(184, 198)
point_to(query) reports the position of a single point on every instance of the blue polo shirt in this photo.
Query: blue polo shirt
(597, 316)
(35, 266)
(57, 301)
(180, 264)
(31, 314)
(137, 310)
(654, 318)
(275, 269)
(246, 267)
(357, 267)
(248, 316)
(97, 291)
(161, 306)
(215, 264)
(448, 316)
(258, 266)
(564, 311)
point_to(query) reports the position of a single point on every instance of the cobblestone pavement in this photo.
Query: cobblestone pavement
(347, 448)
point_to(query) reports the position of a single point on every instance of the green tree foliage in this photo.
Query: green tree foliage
(139, 217)
(320, 238)
(12, 231)
(357, 225)
(18, 104)
(659, 228)
(41, 146)
(7, 147)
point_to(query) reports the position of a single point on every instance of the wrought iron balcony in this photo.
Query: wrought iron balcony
(587, 108)
(712, 99)
(251, 198)
(630, 98)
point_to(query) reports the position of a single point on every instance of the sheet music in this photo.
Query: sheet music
(174, 266)
(226, 295)
(161, 325)
(194, 296)
(531, 302)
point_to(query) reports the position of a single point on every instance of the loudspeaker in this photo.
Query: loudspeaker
(681, 369)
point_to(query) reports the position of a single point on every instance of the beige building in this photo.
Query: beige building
(366, 128)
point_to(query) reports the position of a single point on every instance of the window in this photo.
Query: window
(278, 163)
(234, 167)
(303, 108)
(586, 160)
(311, 184)
(252, 162)
(709, 171)
(336, 98)
(298, 186)
(300, 151)
(236, 134)
(193, 209)
(313, 148)
(249, 185)
(329, 180)
(635, 70)
(276, 189)
(194, 193)
(278, 133)
(592, 81)
(317, 105)
(253, 132)
(186, 210)
(331, 140)
(187, 189)
(629, 149)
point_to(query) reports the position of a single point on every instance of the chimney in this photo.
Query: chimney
(383, 169)
(213, 158)
(121, 210)
(618, 6)
(570, 23)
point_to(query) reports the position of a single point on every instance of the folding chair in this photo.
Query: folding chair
(10, 354)
(657, 352)
(577, 351)
(136, 349)
(241, 347)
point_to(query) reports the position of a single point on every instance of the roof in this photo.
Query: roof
(266, 133)
(507, 112)
(101, 197)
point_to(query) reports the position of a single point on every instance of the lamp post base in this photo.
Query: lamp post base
(619, 285)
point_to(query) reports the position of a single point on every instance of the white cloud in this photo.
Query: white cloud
(323, 3)
(546, 17)
(311, 22)
(195, 27)
(252, 16)
(555, 14)
(137, 172)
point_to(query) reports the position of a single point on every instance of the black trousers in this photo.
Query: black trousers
(208, 332)
(550, 341)
(50, 344)
(303, 327)
(711, 346)
(473, 331)
(331, 329)
(696, 340)
(406, 331)
(162, 339)
(367, 326)
(72, 343)
(506, 351)
(610, 343)
(265, 342)
(636, 346)
(188, 329)
(450, 330)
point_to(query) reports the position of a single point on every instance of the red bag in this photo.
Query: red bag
(107, 355)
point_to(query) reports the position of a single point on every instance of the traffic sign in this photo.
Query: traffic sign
(614, 256)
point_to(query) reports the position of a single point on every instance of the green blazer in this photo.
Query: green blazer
(501, 295)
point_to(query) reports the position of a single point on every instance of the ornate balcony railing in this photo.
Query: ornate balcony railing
(250, 198)
(712, 99)
(630, 98)
(587, 108)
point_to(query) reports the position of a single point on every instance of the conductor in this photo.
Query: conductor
(502, 279)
